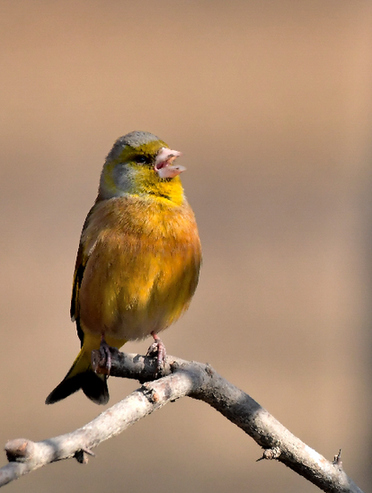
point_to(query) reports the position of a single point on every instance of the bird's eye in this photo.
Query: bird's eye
(141, 160)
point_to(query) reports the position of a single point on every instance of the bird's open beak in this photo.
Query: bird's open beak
(164, 163)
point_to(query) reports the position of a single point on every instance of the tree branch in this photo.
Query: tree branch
(179, 378)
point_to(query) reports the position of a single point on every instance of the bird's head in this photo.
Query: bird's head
(141, 164)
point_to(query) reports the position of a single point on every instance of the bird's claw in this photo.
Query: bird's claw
(157, 349)
(104, 357)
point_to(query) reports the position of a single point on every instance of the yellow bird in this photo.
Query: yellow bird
(138, 261)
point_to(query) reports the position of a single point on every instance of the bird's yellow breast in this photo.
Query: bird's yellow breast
(142, 259)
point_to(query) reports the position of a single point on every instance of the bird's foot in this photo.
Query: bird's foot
(104, 357)
(157, 349)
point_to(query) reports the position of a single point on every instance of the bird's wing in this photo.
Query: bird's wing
(82, 258)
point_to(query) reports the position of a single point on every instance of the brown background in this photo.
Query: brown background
(270, 103)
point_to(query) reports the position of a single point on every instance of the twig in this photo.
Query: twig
(179, 378)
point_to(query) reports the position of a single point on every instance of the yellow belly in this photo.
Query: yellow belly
(142, 269)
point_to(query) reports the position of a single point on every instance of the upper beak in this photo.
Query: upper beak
(164, 163)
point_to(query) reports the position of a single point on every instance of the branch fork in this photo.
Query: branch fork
(179, 378)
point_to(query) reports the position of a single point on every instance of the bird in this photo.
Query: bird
(138, 261)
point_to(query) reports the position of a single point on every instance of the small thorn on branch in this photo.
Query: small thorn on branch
(209, 370)
(270, 454)
(337, 460)
(81, 455)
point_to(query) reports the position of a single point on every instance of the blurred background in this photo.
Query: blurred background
(270, 104)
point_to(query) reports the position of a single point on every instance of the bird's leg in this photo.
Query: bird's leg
(158, 348)
(105, 356)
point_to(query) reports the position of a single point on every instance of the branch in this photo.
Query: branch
(179, 378)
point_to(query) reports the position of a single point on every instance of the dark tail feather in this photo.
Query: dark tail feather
(94, 386)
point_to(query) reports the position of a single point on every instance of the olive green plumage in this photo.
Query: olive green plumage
(139, 256)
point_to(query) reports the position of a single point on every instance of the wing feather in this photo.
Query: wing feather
(81, 261)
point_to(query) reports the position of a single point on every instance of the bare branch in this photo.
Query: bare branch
(179, 378)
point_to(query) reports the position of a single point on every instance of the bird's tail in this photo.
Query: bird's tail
(81, 376)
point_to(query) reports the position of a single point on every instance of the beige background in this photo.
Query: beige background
(270, 103)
